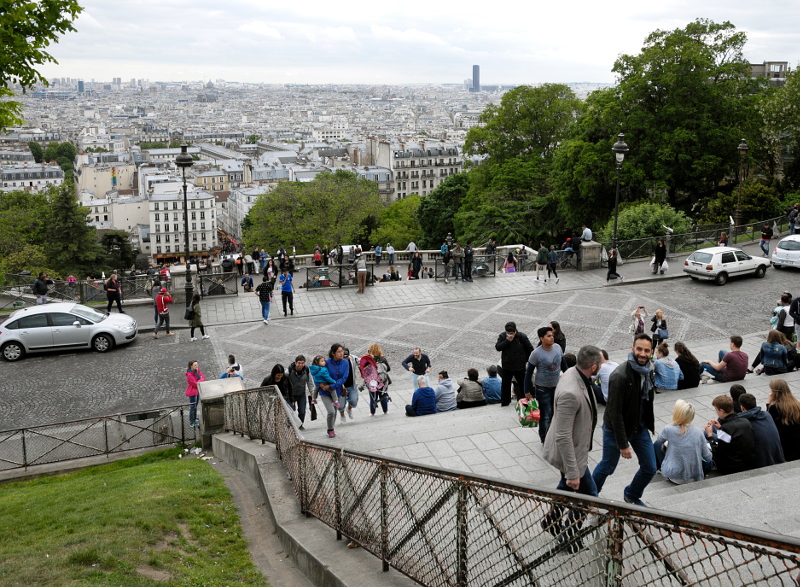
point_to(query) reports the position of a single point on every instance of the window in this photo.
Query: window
(203, 236)
(158, 238)
(192, 206)
(168, 249)
(202, 226)
(64, 319)
(728, 257)
(33, 321)
(194, 226)
(155, 206)
(158, 250)
(202, 215)
(157, 218)
(194, 236)
(166, 238)
(174, 205)
(194, 214)
(176, 227)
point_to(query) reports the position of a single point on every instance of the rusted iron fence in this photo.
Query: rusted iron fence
(444, 528)
(53, 443)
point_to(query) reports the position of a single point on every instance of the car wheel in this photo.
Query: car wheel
(721, 279)
(693, 278)
(13, 351)
(777, 266)
(761, 271)
(102, 343)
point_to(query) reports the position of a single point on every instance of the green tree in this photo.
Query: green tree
(398, 225)
(759, 201)
(119, 252)
(36, 151)
(645, 220)
(71, 243)
(685, 100)
(780, 130)
(27, 28)
(330, 209)
(529, 122)
(436, 211)
(252, 139)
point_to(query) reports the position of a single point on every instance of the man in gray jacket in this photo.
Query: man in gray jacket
(301, 385)
(445, 393)
(569, 441)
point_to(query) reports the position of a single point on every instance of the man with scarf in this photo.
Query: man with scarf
(629, 420)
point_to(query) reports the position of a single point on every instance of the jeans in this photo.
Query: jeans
(642, 445)
(193, 401)
(467, 270)
(299, 405)
(163, 319)
(350, 397)
(374, 398)
(540, 268)
(458, 271)
(287, 296)
(414, 382)
(544, 397)
(718, 375)
(509, 377)
(764, 244)
(265, 310)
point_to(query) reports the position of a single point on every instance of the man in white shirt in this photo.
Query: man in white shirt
(586, 235)
(606, 368)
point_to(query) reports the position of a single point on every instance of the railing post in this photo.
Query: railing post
(384, 468)
(105, 433)
(183, 430)
(303, 482)
(246, 417)
(461, 535)
(24, 450)
(337, 495)
(616, 536)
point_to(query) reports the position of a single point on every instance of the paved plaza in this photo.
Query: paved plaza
(457, 325)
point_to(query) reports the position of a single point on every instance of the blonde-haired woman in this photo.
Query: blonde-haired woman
(785, 411)
(658, 328)
(682, 453)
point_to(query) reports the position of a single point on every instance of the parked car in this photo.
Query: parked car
(787, 252)
(720, 263)
(63, 326)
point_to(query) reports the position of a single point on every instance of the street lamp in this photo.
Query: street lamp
(742, 148)
(619, 149)
(183, 161)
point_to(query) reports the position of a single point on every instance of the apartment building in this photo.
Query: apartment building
(166, 220)
(417, 169)
(29, 177)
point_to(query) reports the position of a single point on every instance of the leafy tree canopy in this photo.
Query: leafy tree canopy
(435, 212)
(27, 28)
(119, 252)
(397, 224)
(329, 209)
(645, 220)
(759, 201)
(529, 122)
(36, 151)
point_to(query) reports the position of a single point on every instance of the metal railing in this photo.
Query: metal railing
(322, 277)
(65, 441)
(482, 266)
(447, 528)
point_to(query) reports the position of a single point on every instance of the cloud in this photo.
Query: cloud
(261, 29)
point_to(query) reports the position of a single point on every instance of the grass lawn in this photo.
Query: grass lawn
(150, 520)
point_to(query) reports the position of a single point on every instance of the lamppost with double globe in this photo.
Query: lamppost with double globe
(184, 161)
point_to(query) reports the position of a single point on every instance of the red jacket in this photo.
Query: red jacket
(193, 379)
(162, 303)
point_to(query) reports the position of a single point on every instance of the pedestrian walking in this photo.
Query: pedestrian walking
(542, 259)
(469, 256)
(515, 348)
(163, 300)
(360, 265)
(193, 376)
(40, 286)
(114, 293)
(197, 318)
(659, 257)
(766, 236)
(612, 267)
(287, 290)
(552, 262)
(301, 387)
(390, 252)
(264, 293)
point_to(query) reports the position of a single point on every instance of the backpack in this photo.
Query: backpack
(773, 321)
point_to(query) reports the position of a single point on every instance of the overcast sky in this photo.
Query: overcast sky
(381, 42)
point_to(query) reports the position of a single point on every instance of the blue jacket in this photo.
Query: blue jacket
(768, 449)
(774, 355)
(424, 401)
(338, 370)
(491, 389)
(321, 375)
(668, 373)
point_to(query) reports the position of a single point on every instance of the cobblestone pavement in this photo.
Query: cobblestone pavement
(456, 325)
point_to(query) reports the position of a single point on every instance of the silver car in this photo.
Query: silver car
(63, 326)
(720, 263)
(787, 252)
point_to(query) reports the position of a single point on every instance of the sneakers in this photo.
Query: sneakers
(266, 321)
(206, 336)
(621, 279)
(556, 279)
(350, 411)
(634, 501)
(605, 283)
(155, 336)
(331, 434)
(170, 334)
(194, 338)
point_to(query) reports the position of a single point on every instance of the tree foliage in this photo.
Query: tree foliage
(758, 201)
(529, 122)
(63, 154)
(398, 225)
(779, 130)
(645, 220)
(330, 209)
(36, 151)
(118, 249)
(436, 211)
(27, 28)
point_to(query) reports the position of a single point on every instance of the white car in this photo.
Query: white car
(63, 326)
(720, 263)
(787, 252)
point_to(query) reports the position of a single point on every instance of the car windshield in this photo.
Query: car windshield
(701, 257)
(88, 313)
(789, 245)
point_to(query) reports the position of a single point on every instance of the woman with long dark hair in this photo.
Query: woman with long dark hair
(690, 367)
(193, 376)
(785, 411)
(197, 318)
(612, 267)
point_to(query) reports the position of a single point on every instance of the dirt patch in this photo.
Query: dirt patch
(154, 574)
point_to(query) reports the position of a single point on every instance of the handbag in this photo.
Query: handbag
(312, 410)
(189, 313)
(528, 413)
(662, 333)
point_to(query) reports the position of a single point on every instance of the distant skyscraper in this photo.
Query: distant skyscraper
(81, 86)
(476, 78)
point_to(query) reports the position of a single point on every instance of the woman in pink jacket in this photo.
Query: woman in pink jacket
(193, 376)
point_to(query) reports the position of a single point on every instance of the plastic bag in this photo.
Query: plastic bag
(528, 413)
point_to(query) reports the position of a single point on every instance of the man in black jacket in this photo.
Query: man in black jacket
(629, 420)
(515, 348)
(301, 385)
(731, 438)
